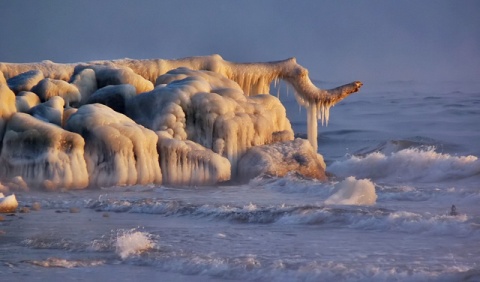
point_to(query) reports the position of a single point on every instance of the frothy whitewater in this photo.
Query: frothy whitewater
(400, 156)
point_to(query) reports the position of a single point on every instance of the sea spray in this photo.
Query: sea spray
(132, 242)
(353, 192)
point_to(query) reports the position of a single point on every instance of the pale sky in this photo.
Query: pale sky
(335, 40)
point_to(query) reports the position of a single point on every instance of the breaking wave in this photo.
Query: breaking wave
(412, 164)
(351, 217)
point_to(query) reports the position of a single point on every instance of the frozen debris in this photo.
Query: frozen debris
(8, 204)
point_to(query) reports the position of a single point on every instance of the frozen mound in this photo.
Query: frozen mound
(86, 83)
(113, 96)
(208, 109)
(50, 111)
(26, 100)
(353, 192)
(279, 159)
(189, 163)
(43, 154)
(8, 204)
(48, 88)
(7, 108)
(111, 74)
(117, 150)
(25, 81)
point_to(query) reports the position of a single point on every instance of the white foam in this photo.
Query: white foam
(353, 192)
(407, 165)
(64, 263)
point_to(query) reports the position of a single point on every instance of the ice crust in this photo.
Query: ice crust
(190, 119)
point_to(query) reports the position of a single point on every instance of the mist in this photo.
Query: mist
(336, 40)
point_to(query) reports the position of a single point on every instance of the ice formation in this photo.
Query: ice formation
(211, 110)
(117, 150)
(7, 108)
(43, 154)
(202, 116)
(26, 100)
(281, 158)
(253, 78)
(25, 81)
(50, 111)
(184, 162)
(8, 203)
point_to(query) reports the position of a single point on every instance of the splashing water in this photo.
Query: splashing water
(133, 242)
(353, 192)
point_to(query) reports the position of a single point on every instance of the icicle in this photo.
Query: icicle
(312, 119)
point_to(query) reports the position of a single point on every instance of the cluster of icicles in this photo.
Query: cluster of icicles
(123, 122)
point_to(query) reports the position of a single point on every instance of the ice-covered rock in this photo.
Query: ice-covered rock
(48, 88)
(50, 111)
(25, 81)
(43, 154)
(26, 100)
(113, 96)
(8, 204)
(117, 150)
(281, 158)
(211, 110)
(188, 163)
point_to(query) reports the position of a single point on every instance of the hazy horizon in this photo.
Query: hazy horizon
(336, 41)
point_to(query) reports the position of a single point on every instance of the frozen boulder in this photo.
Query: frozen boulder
(110, 75)
(43, 154)
(2, 78)
(279, 159)
(48, 88)
(25, 81)
(117, 150)
(188, 163)
(113, 96)
(66, 115)
(26, 100)
(50, 111)
(86, 82)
